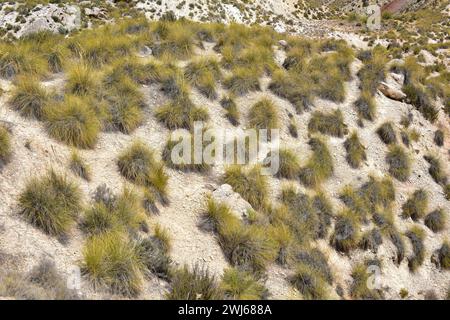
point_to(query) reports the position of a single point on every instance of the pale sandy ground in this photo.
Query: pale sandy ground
(188, 191)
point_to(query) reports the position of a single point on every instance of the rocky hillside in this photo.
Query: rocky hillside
(96, 95)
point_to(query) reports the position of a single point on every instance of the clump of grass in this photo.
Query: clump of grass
(436, 170)
(319, 166)
(180, 113)
(175, 40)
(138, 164)
(346, 236)
(421, 100)
(439, 138)
(51, 203)
(29, 98)
(289, 164)
(371, 240)
(263, 115)
(186, 162)
(416, 236)
(195, 284)
(311, 285)
(241, 285)
(81, 80)
(245, 247)
(328, 123)
(123, 105)
(79, 167)
(447, 191)
(232, 112)
(416, 205)
(365, 106)
(399, 163)
(444, 256)
(73, 122)
(435, 220)
(250, 184)
(5, 146)
(378, 193)
(203, 74)
(386, 133)
(20, 58)
(316, 261)
(310, 216)
(242, 81)
(154, 253)
(296, 90)
(359, 288)
(112, 260)
(121, 212)
(356, 152)
(292, 127)
(42, 282)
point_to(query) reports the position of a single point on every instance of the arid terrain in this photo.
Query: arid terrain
(92, 206)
